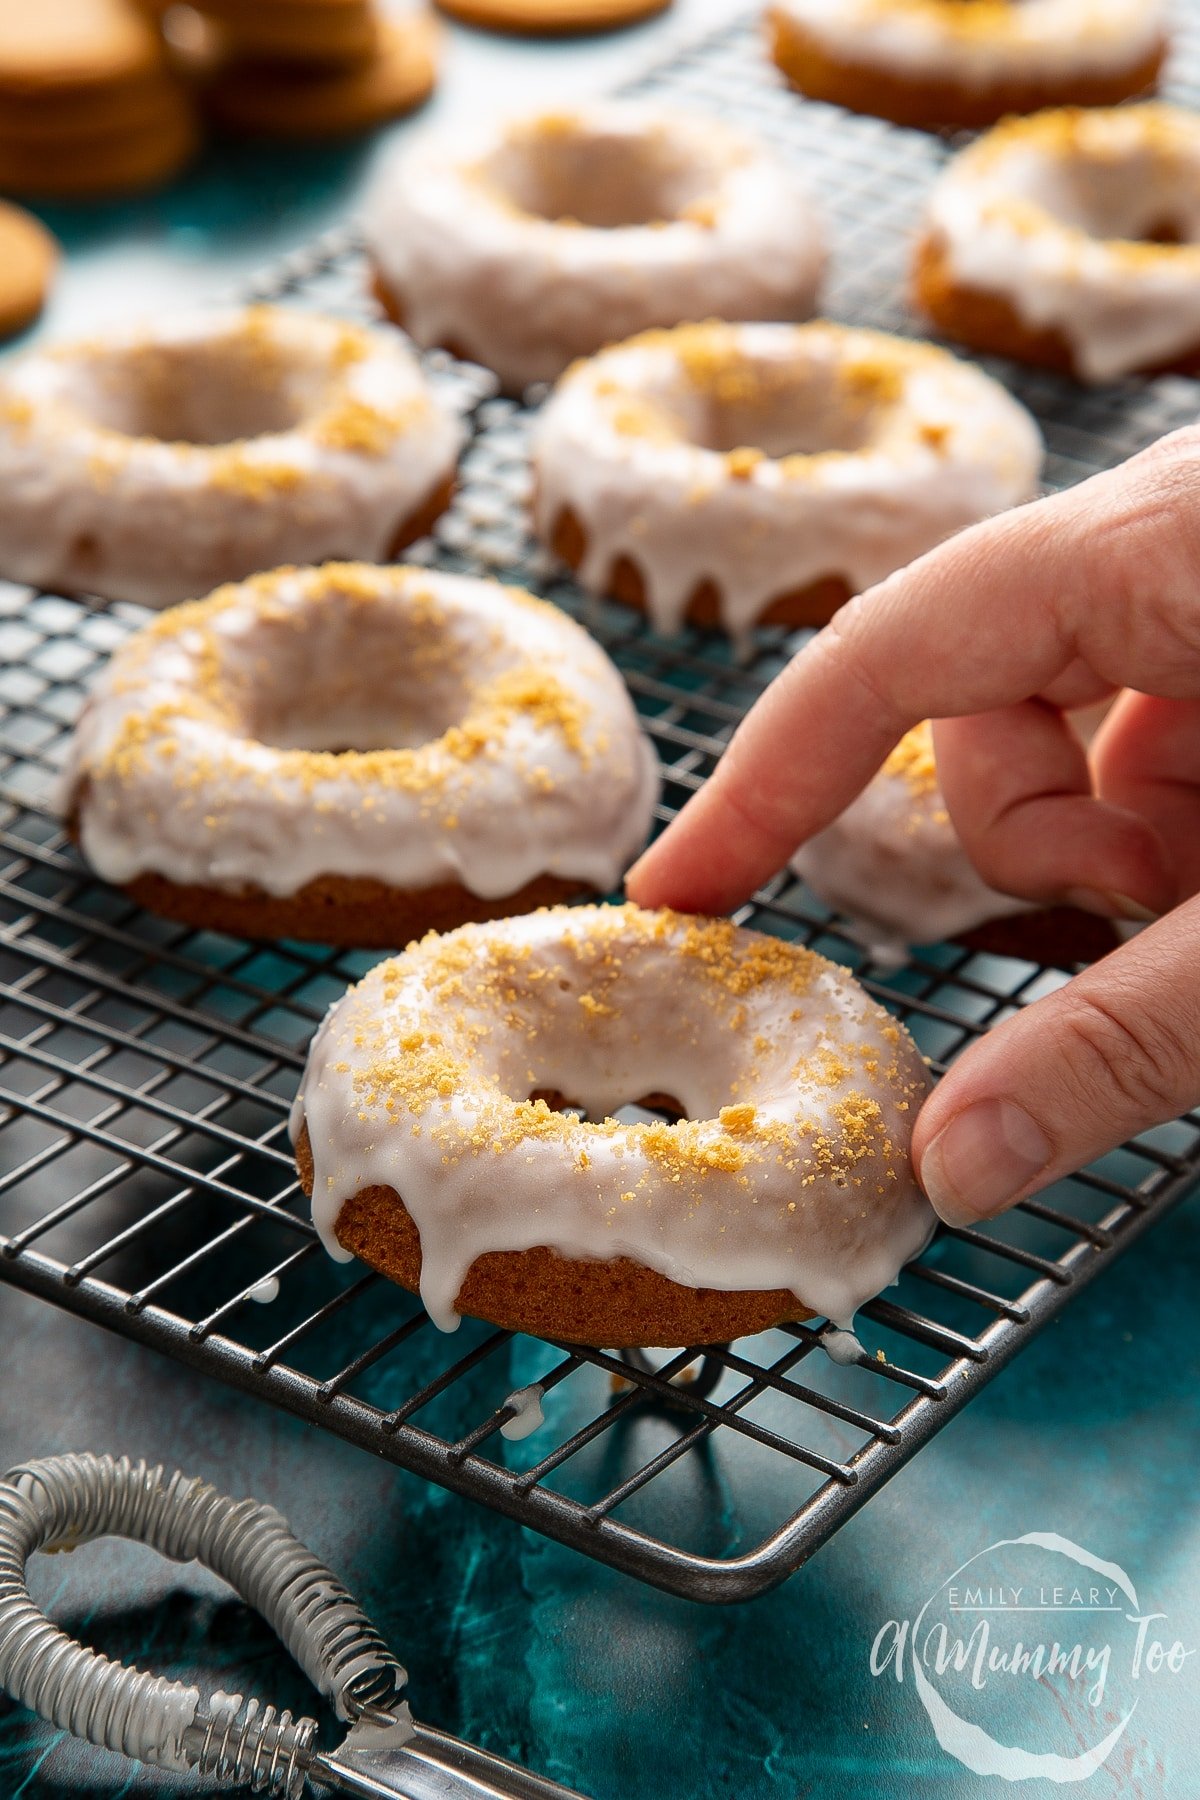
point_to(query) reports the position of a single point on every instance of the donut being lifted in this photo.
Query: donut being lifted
(785, 1189)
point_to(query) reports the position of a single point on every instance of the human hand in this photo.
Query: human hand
(1050, 606)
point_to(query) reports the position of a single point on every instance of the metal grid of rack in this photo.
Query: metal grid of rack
(146, 1069)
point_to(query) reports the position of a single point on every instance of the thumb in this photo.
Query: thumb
(1111, 1053)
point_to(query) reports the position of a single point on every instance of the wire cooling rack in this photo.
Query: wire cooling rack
(146, 1181)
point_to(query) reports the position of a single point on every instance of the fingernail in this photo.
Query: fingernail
(1110, 905)
(982, 1161)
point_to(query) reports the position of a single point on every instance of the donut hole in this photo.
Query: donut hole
(795, 408)
(353, 723)
(646, 1110)
(218, 390)
(606, 181)
(355, 678)
(634, 1050)
(1137, 198)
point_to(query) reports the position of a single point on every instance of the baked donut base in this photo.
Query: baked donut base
(421, 522)
(811, 605)
(930, 103)
(991, 323)
(356, 912)
(616, 1305)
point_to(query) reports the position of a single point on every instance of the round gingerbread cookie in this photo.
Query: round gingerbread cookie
(28, 255)
(103, 163)
(60, 45)
(302, 31)
(73, 113)
(551, 18)
(294, 101)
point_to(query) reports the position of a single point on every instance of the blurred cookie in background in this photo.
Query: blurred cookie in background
(292, 93)
(318, 31)
(551, 18)
(28, 258)
(88, 104)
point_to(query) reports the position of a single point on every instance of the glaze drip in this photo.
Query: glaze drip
(531, 242)
(1059, 213)
(218, 746)
(791, 1169)
(149, 463)
(765, 458)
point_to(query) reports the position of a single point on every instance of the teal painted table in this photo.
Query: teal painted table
(512, 1641)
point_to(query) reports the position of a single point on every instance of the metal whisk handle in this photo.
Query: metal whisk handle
(63, 1501)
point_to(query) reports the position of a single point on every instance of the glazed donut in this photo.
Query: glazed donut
(149, 464)
(1071, 239)
(734, 474)
(423, 1134)
(894, 867)
(544, 238)
(355, 754)
(949, 64)
(893, 864)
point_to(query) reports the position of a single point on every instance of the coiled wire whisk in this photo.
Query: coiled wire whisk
(63, 1501)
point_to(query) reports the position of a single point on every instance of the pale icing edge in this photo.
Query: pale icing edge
(776, 1208)
(526, 296)
(211, 808)
(675, 511)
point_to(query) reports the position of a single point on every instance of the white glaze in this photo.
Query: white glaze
(289, 438)
(843, 1348)
(416, 1082)
(527, 1413)
(894, 867)
(984, 45)
(452, 240)
(1040, 212)
(176, 765)
(623, 443)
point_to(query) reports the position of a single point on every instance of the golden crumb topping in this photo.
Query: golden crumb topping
(16, 410)
(215, 708)
(743, 461)
(437, 1038)
(1154, 147)
(234, 469)
(355, 425)
(913, 761)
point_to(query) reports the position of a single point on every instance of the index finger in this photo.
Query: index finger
(989, 618)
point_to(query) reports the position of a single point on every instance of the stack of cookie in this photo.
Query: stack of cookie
(87, 104)
(309, 68)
